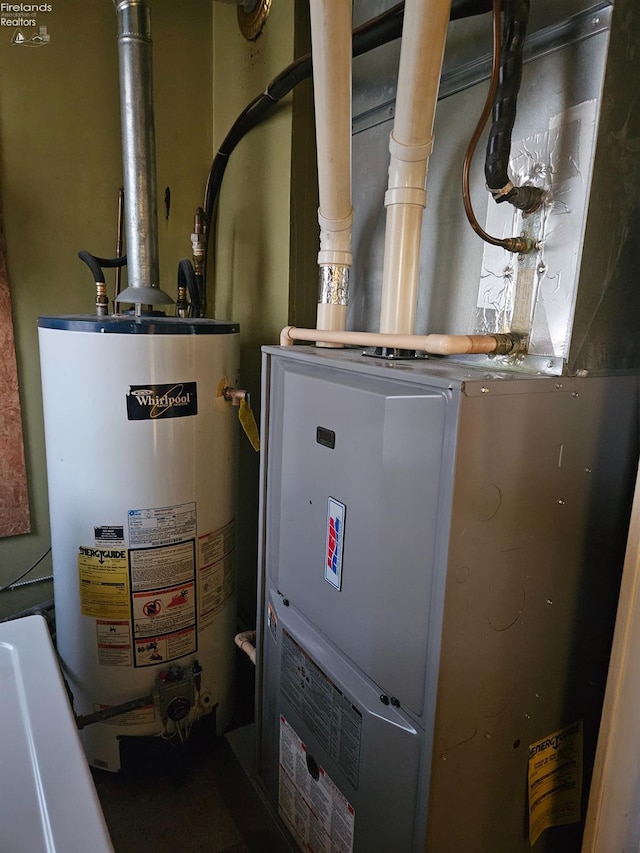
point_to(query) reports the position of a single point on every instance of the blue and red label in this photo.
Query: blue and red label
(335, 538)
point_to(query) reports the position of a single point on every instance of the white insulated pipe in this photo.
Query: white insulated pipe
(246, 643)
(424, 32)
(331, 25)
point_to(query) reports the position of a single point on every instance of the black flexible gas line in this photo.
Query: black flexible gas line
(516, 18)
(187, 280)
(96, 264)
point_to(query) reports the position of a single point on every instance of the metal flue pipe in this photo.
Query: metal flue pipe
(331, 56)
(424, 34)
(138, 154)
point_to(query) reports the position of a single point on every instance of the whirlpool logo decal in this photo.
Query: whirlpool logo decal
(154, 402)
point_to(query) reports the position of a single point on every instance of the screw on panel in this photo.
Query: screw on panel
(575, 394)
(484, 390)
(285, 601)
(558, 386)
(384, 699)
(561, 502)
(395, 702)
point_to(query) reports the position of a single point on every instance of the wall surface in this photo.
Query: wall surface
(249, 256)
(60, 170)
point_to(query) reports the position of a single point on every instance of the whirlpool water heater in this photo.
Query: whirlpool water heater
(141, 468)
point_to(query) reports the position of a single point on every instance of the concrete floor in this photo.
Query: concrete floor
(212, 807)
(158, 814)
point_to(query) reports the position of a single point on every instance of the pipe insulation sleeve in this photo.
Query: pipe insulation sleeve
(333, 281)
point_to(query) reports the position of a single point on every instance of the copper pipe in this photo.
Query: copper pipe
(518, 245)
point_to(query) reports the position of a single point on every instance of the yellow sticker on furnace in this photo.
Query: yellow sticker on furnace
(104, 582)
(555, 780)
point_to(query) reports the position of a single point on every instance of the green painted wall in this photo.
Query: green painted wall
(60, 170)
(251, 258)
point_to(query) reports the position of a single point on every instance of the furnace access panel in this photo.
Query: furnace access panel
(441, 552)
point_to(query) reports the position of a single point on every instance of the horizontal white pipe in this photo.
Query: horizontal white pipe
(432, 344)
(424, 33)
(246, 643)
(331, 26)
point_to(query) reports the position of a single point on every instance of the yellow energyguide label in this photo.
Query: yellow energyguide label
(103, 577)
(555, 780)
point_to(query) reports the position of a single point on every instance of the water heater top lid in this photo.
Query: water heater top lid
(128, 324)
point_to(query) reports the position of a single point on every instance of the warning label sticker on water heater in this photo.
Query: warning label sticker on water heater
(161, 525)
(163, 599)
(104, 582)
(216, 575)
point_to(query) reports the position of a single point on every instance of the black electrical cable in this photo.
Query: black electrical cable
(380, 30)
(26, 572)
(516, 18)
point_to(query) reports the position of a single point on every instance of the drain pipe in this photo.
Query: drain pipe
(138, 155)
(424, 33)
(331, 56)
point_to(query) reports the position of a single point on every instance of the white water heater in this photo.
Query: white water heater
(141, 464)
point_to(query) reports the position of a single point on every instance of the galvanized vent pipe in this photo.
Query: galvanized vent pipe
(331, 56)
(138, 154)
(424, 33)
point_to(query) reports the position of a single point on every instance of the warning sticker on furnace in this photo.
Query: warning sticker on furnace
(555, 780)
(104, 583)
(317, 814)
(332, 719)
